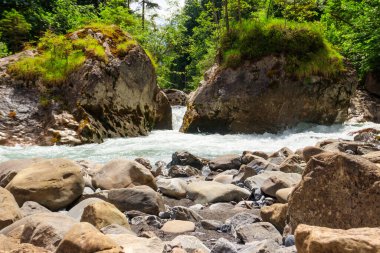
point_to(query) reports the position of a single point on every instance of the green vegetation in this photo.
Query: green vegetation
(303, 45)
(314, 35)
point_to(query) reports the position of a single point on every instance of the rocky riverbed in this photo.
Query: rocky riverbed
(322, 198)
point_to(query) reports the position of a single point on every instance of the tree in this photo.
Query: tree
(14, 29)
(355, 27)
(148, 4)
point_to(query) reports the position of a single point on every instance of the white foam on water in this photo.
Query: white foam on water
(159, 145)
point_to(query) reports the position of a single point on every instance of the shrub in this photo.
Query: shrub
(303, 45)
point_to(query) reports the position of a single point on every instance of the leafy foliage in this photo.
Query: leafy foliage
(14, 29)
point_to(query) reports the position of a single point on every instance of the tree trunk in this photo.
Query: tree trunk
(226, 15)
(143, 14)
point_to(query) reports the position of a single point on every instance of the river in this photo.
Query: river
(159, 145)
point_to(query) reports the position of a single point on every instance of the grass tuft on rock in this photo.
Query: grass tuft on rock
(303, 45)
(60, 55)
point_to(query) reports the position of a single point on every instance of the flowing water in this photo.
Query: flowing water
(159, 145)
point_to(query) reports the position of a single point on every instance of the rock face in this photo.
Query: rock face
(116, 98)
(337, 191)
(364, 107)
(123, 173)
(53, 183)
(311, 239)
(261, 97)
(9, 211)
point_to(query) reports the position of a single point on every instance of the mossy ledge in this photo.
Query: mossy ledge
(59, 55)
(307, 52)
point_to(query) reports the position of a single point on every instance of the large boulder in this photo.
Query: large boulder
(101, 214)
(260, 96)
(103, 98)
(13, 246)
(337, 191)
(77, 210)
(311, 239)
(225, 162)
(9, 169)
(9, 211)
(186, 158)
(257, 232)
(53, 183)
(212, 192)
(163, 118)
(123, 173)
(85, 238)
(172, 187)
(257, 181)
(44, 230)
(176, 97)
(141, 198)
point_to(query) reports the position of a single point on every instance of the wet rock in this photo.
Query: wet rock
(106, 100)
(30, 207)
(275, 214)
(311, 239)
(83, 238)
(163, 111)
(101, 214)
(184, 158)
(289, 241)
(53, 183)
(176, 97)
(142, 198)
(183, 171)
(212, 192)
(172, 187)
(257, 232)
(225, 162)
(9, 211)
(333, 187)
(178, 227)
(123, 173)
(248, 100)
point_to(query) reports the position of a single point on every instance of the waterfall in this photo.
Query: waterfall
(178, 112)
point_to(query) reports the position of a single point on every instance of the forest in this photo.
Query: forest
(203, 32)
